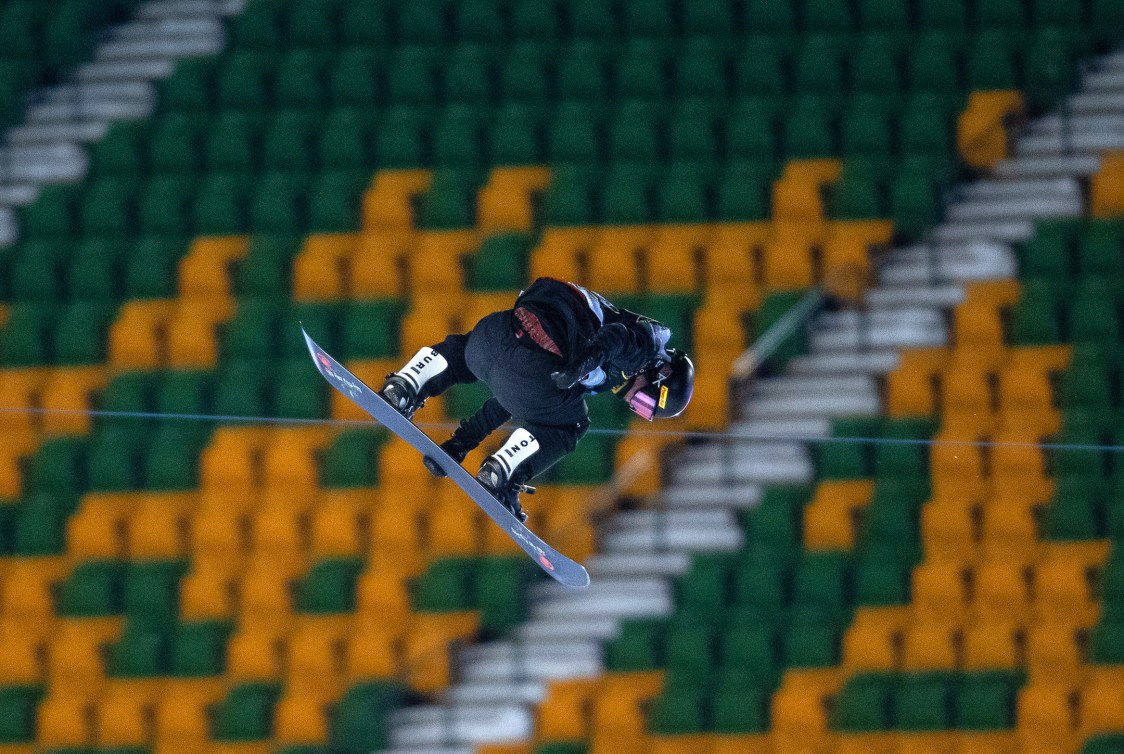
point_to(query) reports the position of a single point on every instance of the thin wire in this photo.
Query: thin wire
(688, 435)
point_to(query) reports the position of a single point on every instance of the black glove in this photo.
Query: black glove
(456, 450)
(588, 359)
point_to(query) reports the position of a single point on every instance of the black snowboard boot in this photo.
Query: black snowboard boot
(401, 395)
(495, 480)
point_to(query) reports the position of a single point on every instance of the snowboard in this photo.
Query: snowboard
(561, 568)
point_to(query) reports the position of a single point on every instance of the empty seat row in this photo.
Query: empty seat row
(381, 22)
(977, 701)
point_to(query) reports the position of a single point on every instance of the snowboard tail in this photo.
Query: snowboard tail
(561, 568)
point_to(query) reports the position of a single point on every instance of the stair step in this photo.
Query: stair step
(1009, 231)
(1077, 165)
(130, 69)
(477, 724)
(49, 133)
(529, 660)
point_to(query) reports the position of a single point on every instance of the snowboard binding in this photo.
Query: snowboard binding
(401, 395)
(494, 479)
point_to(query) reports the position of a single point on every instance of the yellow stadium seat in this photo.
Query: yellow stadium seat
(315, 653)
(266, 594)
(931, 644)
(97, 528)
(948, 529)
(125, 714)
(966, 391)
(731, 266)
(1016, 459)
(425, 326)
(300, 718)
(207, 592)
(505, 202)
(1102, 702)
(136, 339)
(255, 653)
(993, 644)
(437, 262)
(181, 714)
(21, 662)
(320, 268)
(193, 339)
(381, 593)
(29, 587)
(1023, 386)
(228, 462)
(456, 524)
(936, 742)
(291, 458)
(159, 526)
(614, 269)
(206, 269)
(697, 743)
(940, 589)
(1064, 590)
(563, 714)
(553, 258)
(77, 651)
(617, 707)
(910, 387)
(21, 388)
(957, 466)
(673, 268)
(220, 532)
(1054, 652)
(797, 200)
(1009, 530)
(719, 329)
(799, 709)
(1107, 186)
(426, 644)
(71, 389)
(372, 652)
(972, 742)
(400, 467)
(340, 526)
(65, 719)
(1045, 714)
(396, 529)
(378, 264)
(480, 304)
(874, 639)
(864, 743)
(280, 534)
(830, 520)
(741, 743)
(239, 747)
(1002, 590)
(388, 203)
(787, 265)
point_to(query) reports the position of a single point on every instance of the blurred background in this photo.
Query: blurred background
(890, 532)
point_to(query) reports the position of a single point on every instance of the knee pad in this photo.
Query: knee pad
(423, 367)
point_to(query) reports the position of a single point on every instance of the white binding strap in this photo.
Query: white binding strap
(425, 365)
(517, 449)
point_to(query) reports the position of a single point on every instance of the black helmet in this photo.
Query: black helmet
(662, 391)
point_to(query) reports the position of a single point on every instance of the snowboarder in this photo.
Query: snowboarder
(559, 343)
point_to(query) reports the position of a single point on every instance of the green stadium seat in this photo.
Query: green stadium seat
(706, 584)
(652, 19)
(827, 16)
(1048, 72)
(810, 131)
(151, 270)
(95, 270)
(1000, 14)
(80, 333)
(37, 271)
(469, 75)
(692, 134)
(581, 73)
(683, 196)
(198, 649)
(1077, 462)
(261, 26)
(990, 61)
(221, 205)
(713, 18)
(122, 151)
(636, 647)
(329, 586)
(301, 76)
(914, 204)
(923, 702)
(574, 136)
(881, 581)
(818, 67)
(445, 586)
(864, 704)
(1099, 250)
(535, 20)
(1104, 743)
(129, 391)
(810, 645)
(141, 652)
(523, 74)
(18, 706)
(594, 19)
(367, 22)
(1073, 516)
(343, 139)
(264, 272)
(176, 144)
(370, 329)
(233, 143)
(163, 207)
(1093, 316)
(450, 202)
(277, 207)
(25, 339)
(93, 588)
(297, 394)
(244, 81)
(240, 388)
(40, 527)
(422, 22)
(942, 14)
(751, 133)
(1035, 318)
(171, 459)
(288, 142)
(742, 194)
(1108, 642)
(634, 133)
(1106, 18)
(190, 88)
(515, 137)
(985, 701)
(151, 591)
(350, 459)
(21, 22)
(875, 66)
(627, 195)
(464, 399)
(321, 320)
(823, 583)
(569, 201)
(500, 264)
(246, 714)
(478, 21)
(53, 214)
(884, 15)
(641, 70)
(752, 649)
(458, 139)
(760, 68)
(761, 582)
(590, 463)
(353, 80)
(313, 23)
(678, 710)
(774, 17)
(412, 76)
(360, 724)
(933, 65)
(500, 592)
(68, 33)
(401, 141)
(857, 196)
(739, 705)
(700, 70)
(114, 456)
(774, 526)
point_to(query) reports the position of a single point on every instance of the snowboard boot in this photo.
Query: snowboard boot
(495, 480)
(401, 395)
(456, 450)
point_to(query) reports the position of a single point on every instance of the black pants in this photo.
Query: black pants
(517, 372)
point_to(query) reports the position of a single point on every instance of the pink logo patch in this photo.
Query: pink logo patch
(545, 563)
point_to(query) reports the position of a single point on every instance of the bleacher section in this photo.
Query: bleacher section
(385, 173)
